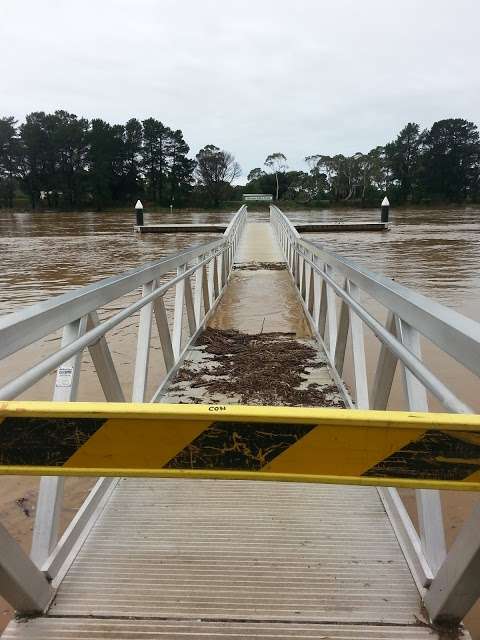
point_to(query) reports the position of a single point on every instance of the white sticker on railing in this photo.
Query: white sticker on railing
(64, 377)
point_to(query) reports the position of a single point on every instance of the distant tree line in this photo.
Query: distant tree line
(441, 164)
(59, 160)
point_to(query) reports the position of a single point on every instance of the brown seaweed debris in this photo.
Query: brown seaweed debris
(261, 369)
(260, 266)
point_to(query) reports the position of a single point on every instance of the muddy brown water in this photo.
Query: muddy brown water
(436, 252)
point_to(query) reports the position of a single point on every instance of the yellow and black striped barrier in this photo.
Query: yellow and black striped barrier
(342, 446)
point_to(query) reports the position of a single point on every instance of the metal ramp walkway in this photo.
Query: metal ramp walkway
(182, 557)
(212, 558)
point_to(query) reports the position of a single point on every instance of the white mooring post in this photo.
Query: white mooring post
(139, 213)
(385, 209)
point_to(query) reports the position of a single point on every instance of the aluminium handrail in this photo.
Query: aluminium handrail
(414, 364)
(447, 582)
(209, 265)
(24, 327)
(24, 381)
(454, 333)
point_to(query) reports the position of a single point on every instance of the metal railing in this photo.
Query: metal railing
(26, 584)
(330, 288)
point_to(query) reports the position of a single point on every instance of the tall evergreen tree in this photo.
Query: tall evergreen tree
(9, 160)
(154, 152)
(102, 158)
(451, 162)
(180, 167)
(38, 157)
(70, 146)
(132, 148)
(403, 158)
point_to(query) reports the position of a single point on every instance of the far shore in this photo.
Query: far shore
(254, 207)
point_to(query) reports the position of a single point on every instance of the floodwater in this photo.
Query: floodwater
(436, 252)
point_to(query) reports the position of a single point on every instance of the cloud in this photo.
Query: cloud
(253, 77)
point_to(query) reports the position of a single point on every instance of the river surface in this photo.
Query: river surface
(436, 252)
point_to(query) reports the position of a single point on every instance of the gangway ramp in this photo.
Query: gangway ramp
(274, 339)
(196, 558)
(194, 554)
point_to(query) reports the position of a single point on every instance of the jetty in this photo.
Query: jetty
(255, 493)
(181, 228)
(303, 227)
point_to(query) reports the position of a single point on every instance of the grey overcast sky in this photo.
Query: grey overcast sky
(253, 77)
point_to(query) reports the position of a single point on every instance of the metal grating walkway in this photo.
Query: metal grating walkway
(225, 559)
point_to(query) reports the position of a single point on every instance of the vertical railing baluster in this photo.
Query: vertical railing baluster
(303, 272)
(192, 324)
(215, 279)
(199, 274)
(205, 292)
(104, 365)
(429, 504)
(178, 314)
(384, 371)
(342, 334)
(50, 493)
(161, 320)
(323, 309)
(140, 374)
(297, 262)
(316, 292)
(331, 315)
(358, 347)
(310, 302)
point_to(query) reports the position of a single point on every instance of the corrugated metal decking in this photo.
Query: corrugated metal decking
(51, 629)
(171, 553)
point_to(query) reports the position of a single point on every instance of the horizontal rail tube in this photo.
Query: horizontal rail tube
(454, 333)
(416, 366)
(24, 327)
(33, 375)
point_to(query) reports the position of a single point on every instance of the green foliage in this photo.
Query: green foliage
(451, 161)
(62, 161)
(215, 171)
(59, 160)
(9, 159)
(437, 165)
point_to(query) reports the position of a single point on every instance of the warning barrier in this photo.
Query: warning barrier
(238, 442)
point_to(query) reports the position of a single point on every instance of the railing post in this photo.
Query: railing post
(456, 587)
(199, 274)
(164, 333)
(358, 347)
(429, 504)
(215, 279)
(103, 363)
(178, 315)
(342, 334)
(50, 493)
(22, 584)
(331, 315)
(385, 371)
(192, 323)
(143, 347)
(310, 301)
